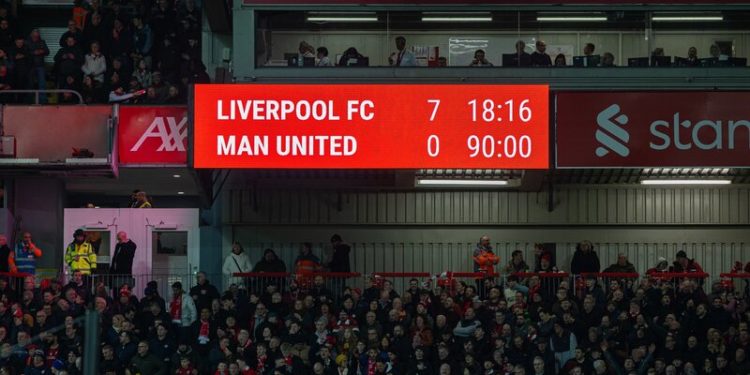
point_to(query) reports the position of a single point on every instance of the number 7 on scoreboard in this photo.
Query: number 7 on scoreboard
(436, 103)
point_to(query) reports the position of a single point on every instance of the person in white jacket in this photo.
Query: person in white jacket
(182, 310)
(95, 63)
(236, 262)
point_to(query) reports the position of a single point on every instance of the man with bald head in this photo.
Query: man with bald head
(122, 260)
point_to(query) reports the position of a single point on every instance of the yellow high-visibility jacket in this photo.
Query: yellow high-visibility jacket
(80, 257)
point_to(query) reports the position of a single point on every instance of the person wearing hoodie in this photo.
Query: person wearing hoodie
(585, 259)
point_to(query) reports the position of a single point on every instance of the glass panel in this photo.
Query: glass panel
(171, 243)
(452, 38)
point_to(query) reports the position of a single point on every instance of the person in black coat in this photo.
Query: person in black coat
(340, 260)
(122, 260)
(203, 293)
(585, 259)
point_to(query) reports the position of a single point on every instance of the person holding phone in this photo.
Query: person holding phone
(26, 254)
(480, 60)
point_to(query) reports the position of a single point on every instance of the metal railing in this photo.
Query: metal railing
(45, 92)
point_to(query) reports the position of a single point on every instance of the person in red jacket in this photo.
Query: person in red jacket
(683, 264)
(484, 262)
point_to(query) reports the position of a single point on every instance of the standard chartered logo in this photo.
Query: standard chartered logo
(611, 135)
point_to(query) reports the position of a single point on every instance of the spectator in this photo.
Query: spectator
(142, 73)
(146, 363)
(683, 264)
(585, 259)
(91, 91)
(691, 60)
(7, 38)
(141, 198)
(68, 61)
(79, 255)
(560, 60)
(323, 59)
(661, 266)
(182, 311)
(540, 56)
(622, 265)
(7, 260)
(143, 41)
(269, 263)
(522, 57)
(203, 293)
(122, 260)
(608, 60)
(95, 30)
(516, 264)
(38, 50)
(340, 260)
(79, 14)
(716, 54)
(95, 64)
(480, 60)
(73, 31)
(402, 57)
(26, 254)
(236, 262)
(588, 49)
(6, 82)
(120, 41)
(173, 96)
(305, 264)
(563, 343)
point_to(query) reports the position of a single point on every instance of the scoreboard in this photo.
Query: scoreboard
(371, 126)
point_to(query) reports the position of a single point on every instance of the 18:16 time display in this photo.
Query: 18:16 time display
(488, 110)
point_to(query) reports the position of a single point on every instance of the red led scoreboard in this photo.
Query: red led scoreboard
(378, 126)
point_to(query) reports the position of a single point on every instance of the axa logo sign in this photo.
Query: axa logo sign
(611, 134)
(168, 131)
(614, 130)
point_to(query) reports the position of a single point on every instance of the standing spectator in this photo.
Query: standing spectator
(6, 36)
(340, 259)
(167, 58)
(270, 263)
(26, 255)
(189, 12)
(79, 255)
(622, 265)
(79, 14)
(39, 50)
(120, 42)
(540, 56)
(183, 313)
(122, 260)
(563, 343)
(142, 73)
(6, 82)
(203, 293)
(22, 63)
(7, 261)
(305, 264)
(142, 200)
(163, 19)
(683, 264)
(95, 64)
(143, 41)
(73, 31)
(516, 264)
(95, 31)
(585, 259)
(68, 61)
(402, 57)
(146, 363)
(236, 262)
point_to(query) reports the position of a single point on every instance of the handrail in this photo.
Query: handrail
(622, 275)
(678, 275)
(401, 274)
(37, 92)
(287, 274)
(733, 275)
(541, 274)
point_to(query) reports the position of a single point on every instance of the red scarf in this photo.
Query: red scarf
(371, 367)
(175, 309)
(203, 332)
(261, 363)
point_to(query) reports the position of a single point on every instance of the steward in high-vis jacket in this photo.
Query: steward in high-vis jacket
(80, 255)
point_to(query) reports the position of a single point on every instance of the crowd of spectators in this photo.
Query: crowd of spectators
(305, 324)
(142, 51)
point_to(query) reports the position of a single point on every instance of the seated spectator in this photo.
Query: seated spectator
(142, 73)
(480, 60)
(716, 54)
(323, 59)
(91, 91)
(350, 57)
(118, 95)
(608, 60)
(683, 264)
(560, 60)
(540, 56)
(522, 57)
(692, 57)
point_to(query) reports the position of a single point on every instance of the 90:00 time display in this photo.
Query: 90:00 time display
(509, 146)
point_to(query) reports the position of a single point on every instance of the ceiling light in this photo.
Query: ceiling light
(180, 193)
(685, 182)
(342, 17)
(456, 17)
(571, 18)
(176, 176)
(459, 183)
(687, 18)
